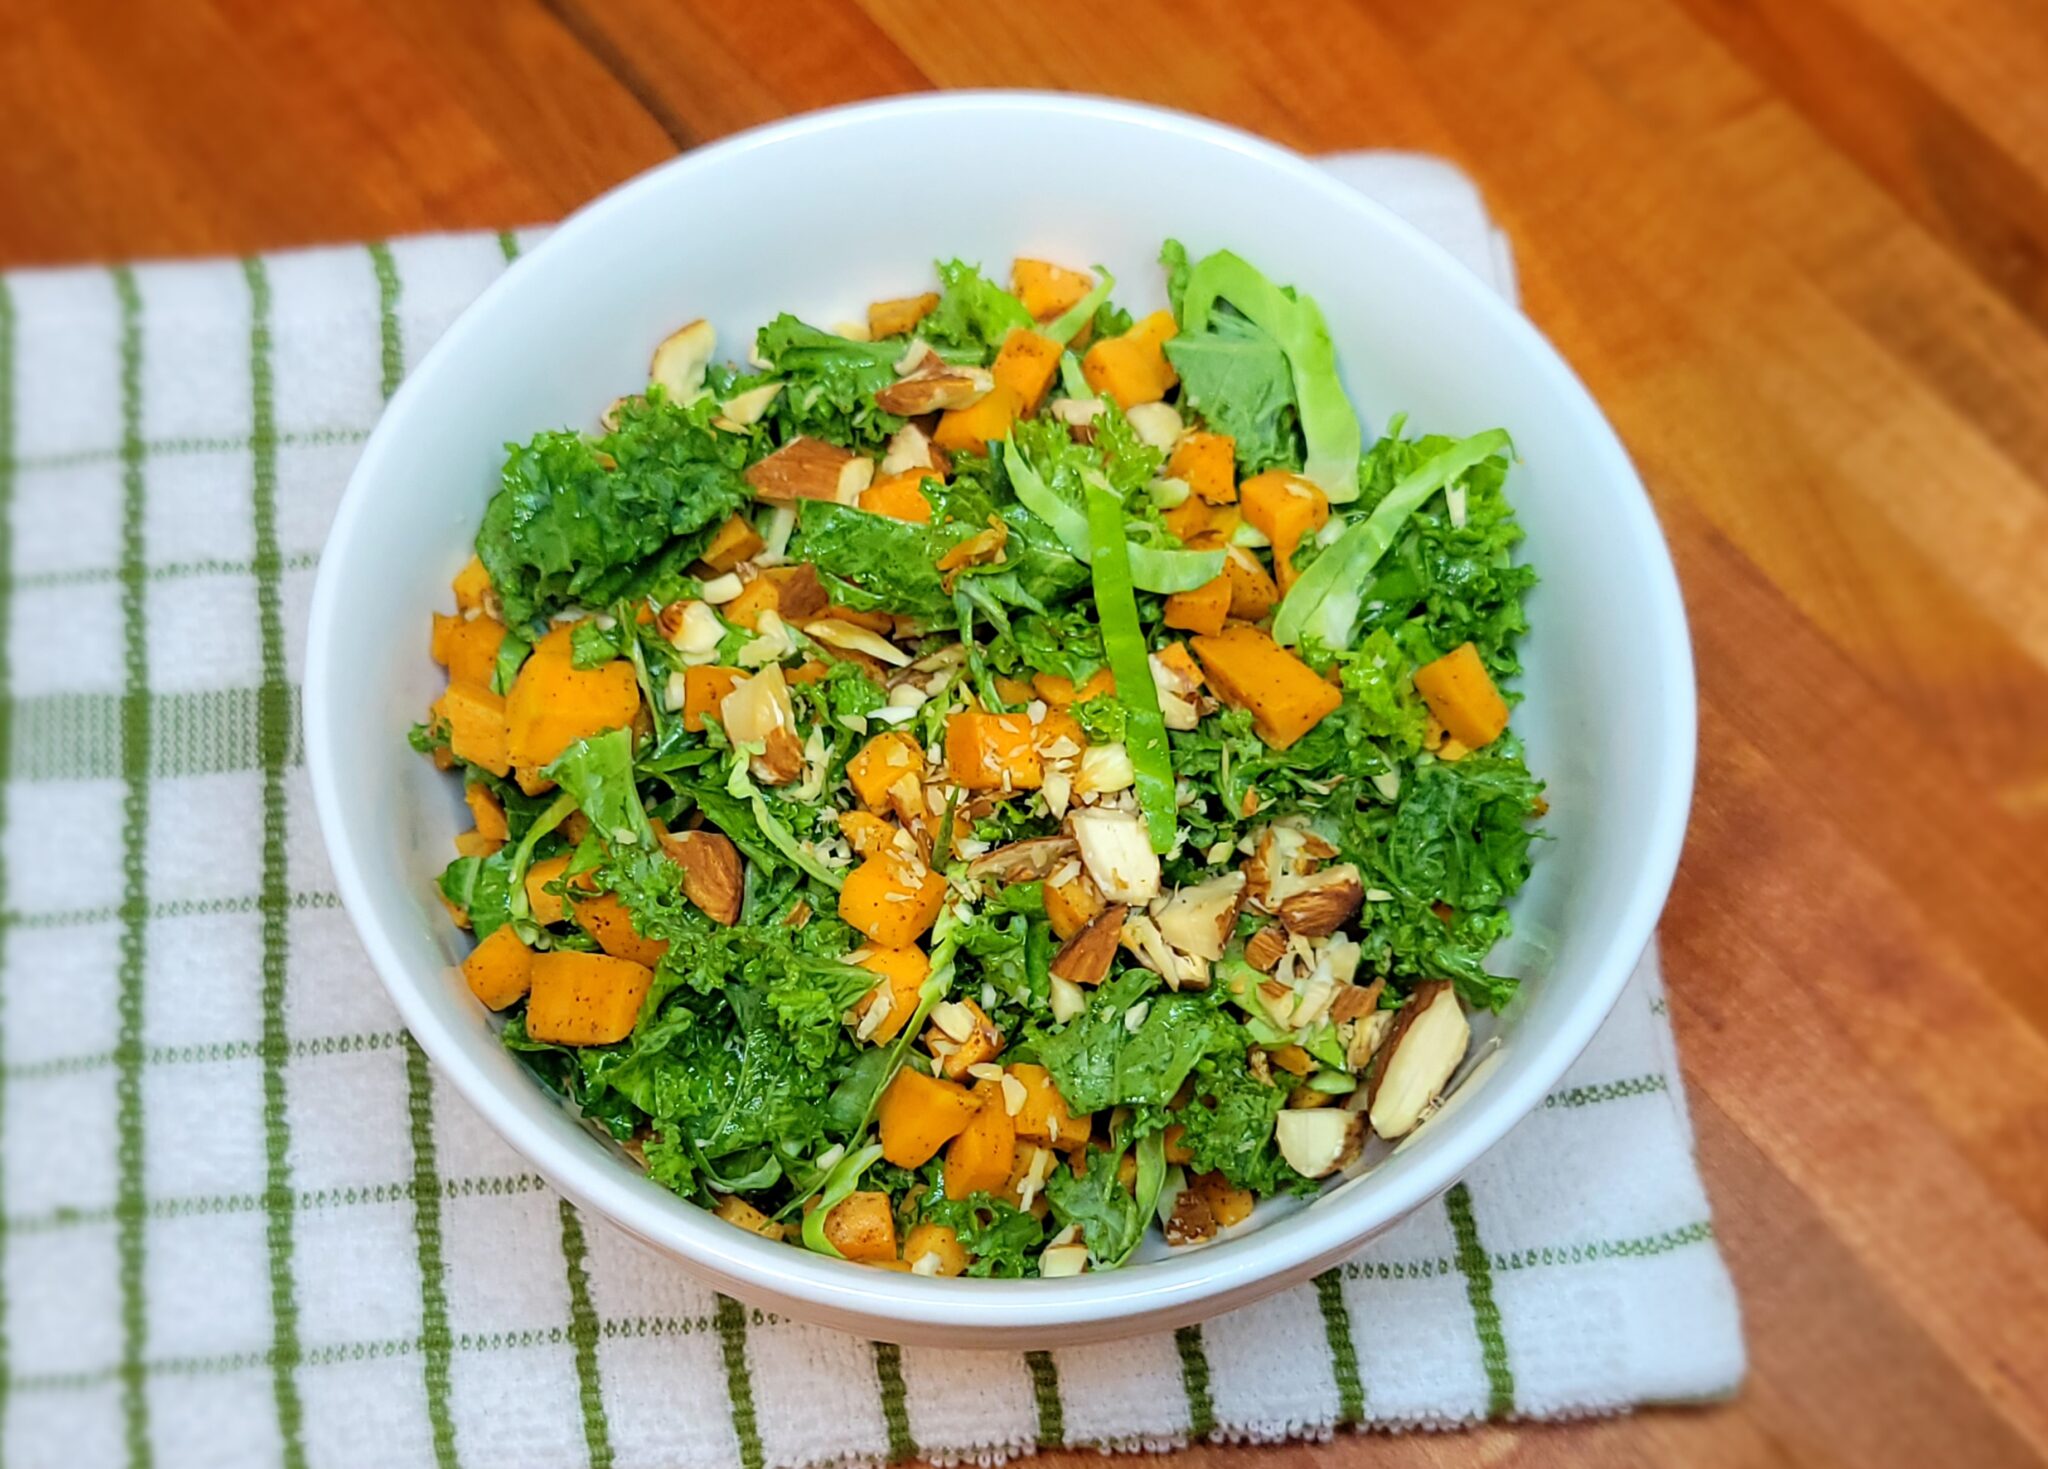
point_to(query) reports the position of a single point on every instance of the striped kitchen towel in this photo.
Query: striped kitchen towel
(242, 1224)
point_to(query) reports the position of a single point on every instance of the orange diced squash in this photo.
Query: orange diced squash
(1058, 690)
(477, 728)
(903, 971)
(920, 1114)
(892, 898)
(471, 584)
(531, 781)
(866, 832)
(545, 906)
(883, 761)
(957, 1057)
(1285, 507)
(1072, 905)
(1203, 609)
(1133, 368)
(487, 811)
(1204, 527)
(1227, 1202)
(1460, 693)
(704, 689)
(468, 646)
(1048, 290)
(978, 1160)
(1248, 670)
(554, 703)
(969, 429)
(993, 752)
(1014, 690)
(1026, 365)
(1253, 593)
(732, 543)
(862, 1227)
(1059, 735)
(760, 594)
(583, 999)
(894, 318)
(499, 971)
(737, 1212)
(1044, 1117)
(476, 844)
(1207, 464)
(900, 496)
(1177, 660)
(1177, 1149)
(940, 1242)
(610, 922)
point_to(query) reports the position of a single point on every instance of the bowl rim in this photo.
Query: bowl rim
(1227, 1273)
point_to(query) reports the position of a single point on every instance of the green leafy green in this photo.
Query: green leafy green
(1295, 323)
(587, 520)
(1123, 639)
(1324, 601)
(973, 311)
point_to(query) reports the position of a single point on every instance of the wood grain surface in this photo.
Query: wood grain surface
(1798, 250)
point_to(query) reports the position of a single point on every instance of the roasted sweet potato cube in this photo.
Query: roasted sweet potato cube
(1207, 464)
(477, 728)
(902, 972)
(1044, 1116)
(1048, 290)
(1133, 368)
(583, 999)
(920, 1114)
(1202, 610)
(894, 318)
(1460, 693)
(862, 1227)
(499, 971)
(1026, 365)
(1248, 670)
(979, 1159)
(993, 752)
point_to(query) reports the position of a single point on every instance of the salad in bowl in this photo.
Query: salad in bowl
(999, 787)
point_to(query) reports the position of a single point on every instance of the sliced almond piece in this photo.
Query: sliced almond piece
(1426, 1044)
(910, 448)
(1323, 902)
(1181, 703)
(1024, 861)
(758, 711)
(680, 360)
(928, 392)
(1158, 424)
(713, 877)
(1317, 1142)
(1065, 999)
(1263, 949)
(853, 639)
(744, 410)
(1117, 853)
(1198, 920)
(1105, 770)
(1180, 971)
(1085, 958)
(810, 469)
(1056, 1261)
(1282, 853)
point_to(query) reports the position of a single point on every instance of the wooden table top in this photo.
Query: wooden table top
(1798, 250)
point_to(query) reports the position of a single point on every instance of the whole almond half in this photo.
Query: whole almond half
(713, 878)
(1085, 958)
(1427, 1042)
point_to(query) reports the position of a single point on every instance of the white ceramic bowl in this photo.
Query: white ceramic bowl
(819, 215)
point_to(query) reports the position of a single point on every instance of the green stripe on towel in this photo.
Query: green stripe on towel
(131, 1232)
(273, 742)
(739, 1380)
(1343, 1350)
(1194, 1381)
(895, 1405)
(1477, 1269)
(1045, 1390)
(583, 1332)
